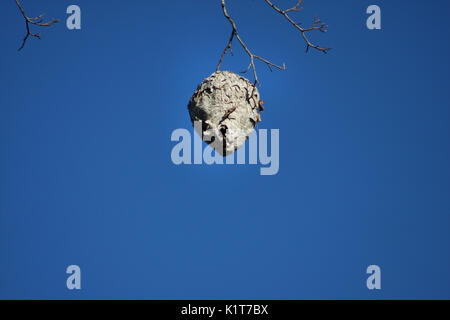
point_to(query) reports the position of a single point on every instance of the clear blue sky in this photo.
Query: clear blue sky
(86, 176)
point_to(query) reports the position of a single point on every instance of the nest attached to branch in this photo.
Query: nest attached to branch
(225, 105)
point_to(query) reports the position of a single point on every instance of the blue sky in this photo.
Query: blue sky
(86, 176)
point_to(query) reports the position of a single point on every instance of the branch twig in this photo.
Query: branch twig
(37, 21)
(315, 26)
(234, 34)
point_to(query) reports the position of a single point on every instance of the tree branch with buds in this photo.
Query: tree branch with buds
(253, 57)
(37, 21)
(315, 26)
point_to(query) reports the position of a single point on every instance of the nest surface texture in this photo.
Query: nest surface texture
(226, 105)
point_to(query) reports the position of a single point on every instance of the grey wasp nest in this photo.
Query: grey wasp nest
(226, 107)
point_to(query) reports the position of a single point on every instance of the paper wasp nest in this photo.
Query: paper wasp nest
(227, 106)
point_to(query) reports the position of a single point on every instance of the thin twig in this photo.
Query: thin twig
(228, 114)
(235, 34)
(228, 47)
(37, 21)
(322, 27)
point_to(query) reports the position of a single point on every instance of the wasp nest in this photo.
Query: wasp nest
(224, 111)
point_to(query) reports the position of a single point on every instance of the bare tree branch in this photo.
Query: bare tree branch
(315, 26)
(37, 21)
(228, 47)
(234, 34)
(253, 57)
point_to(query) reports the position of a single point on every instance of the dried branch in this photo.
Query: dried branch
(37, 21)
(253, 57)
(234, 34)
(228, 114)
(315, 26)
